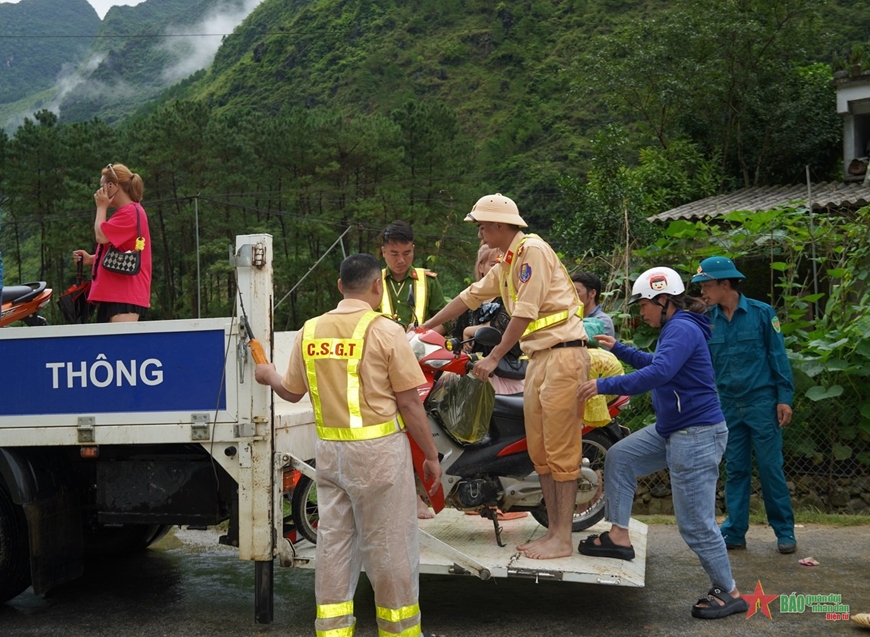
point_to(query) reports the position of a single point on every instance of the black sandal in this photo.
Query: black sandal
(713, 610)
(606, 549)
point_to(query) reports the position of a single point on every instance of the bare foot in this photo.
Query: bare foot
(423, 510)
(528, 545)
(549, 550)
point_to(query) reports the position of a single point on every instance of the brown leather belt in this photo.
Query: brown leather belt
(570, 344)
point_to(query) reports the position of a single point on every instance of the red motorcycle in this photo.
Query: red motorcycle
(23, 303)
(495, 472)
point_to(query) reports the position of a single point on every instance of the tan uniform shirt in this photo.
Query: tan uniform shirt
(542, 287)
(388, 366)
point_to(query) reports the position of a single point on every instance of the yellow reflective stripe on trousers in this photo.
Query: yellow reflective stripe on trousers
(397, 614)
(413, 631)
(328, 611)
(350, 350)
(336, 632)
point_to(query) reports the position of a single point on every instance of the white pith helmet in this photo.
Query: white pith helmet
(496, 209)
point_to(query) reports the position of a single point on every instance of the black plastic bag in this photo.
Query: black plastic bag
(464, 405)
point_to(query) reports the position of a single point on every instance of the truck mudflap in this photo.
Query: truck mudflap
(453, 543)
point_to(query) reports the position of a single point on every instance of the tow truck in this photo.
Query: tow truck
(110, 434)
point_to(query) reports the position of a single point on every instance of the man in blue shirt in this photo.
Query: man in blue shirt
(588, 287)
(754, 379)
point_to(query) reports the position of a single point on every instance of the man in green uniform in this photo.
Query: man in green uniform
(754, 379)
(411, 295)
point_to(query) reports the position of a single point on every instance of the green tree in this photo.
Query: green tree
(731, 76)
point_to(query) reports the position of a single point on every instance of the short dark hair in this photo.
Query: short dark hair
(590, 281)
(358, 271)
(398, 232)
(735, 283)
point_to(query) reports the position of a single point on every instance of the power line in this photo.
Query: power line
(291, 31)
(115, 36)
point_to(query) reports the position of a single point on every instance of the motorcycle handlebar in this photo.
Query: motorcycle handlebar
(473, 357)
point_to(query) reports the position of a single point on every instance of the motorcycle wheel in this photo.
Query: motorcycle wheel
(304, 508)
(14, 549)
(595, 446)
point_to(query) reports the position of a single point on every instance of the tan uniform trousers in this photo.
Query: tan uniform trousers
(550, 408)
(368, 516)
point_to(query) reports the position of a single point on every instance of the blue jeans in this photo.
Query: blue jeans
(754, 425)
(692, 457)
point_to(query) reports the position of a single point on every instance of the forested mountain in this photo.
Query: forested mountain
(29, 65)
(143, 49)
(62, 57)
(331, 118)
(529, 81)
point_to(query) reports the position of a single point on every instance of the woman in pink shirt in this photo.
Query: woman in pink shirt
(121, 297)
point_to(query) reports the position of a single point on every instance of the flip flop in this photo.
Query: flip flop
(730, 605)
(606, 549)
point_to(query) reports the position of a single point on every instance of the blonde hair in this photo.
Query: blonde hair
(483, 255)
(128, 181)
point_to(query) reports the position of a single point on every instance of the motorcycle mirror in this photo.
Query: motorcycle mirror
(488, 336)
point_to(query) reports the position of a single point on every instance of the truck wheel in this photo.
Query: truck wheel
(595, 446)
(304, 508)
(14, 549)
(116, 541)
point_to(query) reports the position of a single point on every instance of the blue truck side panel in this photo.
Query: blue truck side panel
(174, 371)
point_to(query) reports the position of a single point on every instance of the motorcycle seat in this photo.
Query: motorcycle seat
(22, 293)
(508, 406)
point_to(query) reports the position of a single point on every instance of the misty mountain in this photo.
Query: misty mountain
(129, 58)
(38, 39)
(140, 51)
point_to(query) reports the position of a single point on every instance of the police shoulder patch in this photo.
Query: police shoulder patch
(775, 323)
(525, 273)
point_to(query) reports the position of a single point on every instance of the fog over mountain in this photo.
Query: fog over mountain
(138, 52)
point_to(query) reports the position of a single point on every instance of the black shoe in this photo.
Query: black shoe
(786, 545)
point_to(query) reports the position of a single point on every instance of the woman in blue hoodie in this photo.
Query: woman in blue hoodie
(688, 437)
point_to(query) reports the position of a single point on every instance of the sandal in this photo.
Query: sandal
(713, 610)
(606, 549)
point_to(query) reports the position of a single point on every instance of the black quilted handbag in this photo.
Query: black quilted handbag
(128, 262)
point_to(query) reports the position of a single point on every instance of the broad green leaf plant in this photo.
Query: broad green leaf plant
(818, 267)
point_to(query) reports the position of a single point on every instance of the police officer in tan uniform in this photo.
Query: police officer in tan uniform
(411, 295)
(546, 317)
(363, 378)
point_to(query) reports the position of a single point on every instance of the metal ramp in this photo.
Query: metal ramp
(453, 543)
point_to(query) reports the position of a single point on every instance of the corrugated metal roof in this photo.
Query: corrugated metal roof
(757, 198)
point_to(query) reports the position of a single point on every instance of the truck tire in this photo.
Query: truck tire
(117, 541)
(14, 549)
(595, 446)
(304, 508)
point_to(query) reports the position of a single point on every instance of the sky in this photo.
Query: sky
(101, 6)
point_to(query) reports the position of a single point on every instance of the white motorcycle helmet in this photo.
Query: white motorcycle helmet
(654, 282)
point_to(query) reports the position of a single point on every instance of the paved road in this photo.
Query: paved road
(189, 586)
